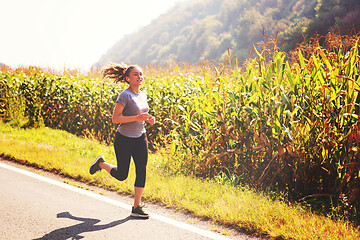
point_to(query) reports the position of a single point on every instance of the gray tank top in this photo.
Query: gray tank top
(134, 104)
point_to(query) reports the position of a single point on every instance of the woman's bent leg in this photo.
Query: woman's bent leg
(122, 146)
(106, 166)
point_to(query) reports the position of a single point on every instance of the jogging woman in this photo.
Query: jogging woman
(131, 112)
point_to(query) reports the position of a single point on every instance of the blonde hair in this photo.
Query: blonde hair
(118, 72)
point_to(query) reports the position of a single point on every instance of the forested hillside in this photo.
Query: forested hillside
(196, 28)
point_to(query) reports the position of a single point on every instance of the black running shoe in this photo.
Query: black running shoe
(139, 212)
(95, 165)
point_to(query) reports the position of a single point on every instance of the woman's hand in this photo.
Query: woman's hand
(143, 117)
(151, 120)
(146, 117)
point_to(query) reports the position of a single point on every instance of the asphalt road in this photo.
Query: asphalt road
(36, 205)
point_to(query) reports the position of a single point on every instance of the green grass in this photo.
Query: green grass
(239, 207)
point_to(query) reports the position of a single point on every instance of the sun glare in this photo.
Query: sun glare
(67, 33)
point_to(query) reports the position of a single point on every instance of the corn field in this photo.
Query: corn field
(282, 122)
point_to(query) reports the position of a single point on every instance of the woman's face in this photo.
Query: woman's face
(135, 77)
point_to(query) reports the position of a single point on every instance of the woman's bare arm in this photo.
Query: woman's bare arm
(117, 116)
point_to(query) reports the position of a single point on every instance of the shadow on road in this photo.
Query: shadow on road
(87, 225)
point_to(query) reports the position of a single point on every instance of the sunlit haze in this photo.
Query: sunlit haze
(69, 33)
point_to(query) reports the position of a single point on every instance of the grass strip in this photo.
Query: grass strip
(240, 208)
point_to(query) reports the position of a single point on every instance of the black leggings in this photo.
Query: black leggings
(125, 148)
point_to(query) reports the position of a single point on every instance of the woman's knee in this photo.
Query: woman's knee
(118, 175)
(139, 182)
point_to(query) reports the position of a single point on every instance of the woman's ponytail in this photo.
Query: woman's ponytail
(117, 72)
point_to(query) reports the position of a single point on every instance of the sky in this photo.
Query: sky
(69, 34)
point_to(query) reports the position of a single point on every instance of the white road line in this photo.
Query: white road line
(158, 217)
